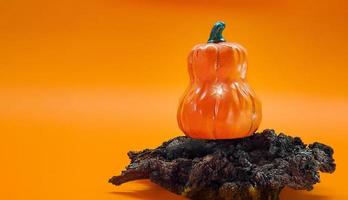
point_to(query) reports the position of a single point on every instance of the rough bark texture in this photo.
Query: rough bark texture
(252, 168)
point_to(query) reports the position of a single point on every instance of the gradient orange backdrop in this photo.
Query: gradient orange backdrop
(83, 82)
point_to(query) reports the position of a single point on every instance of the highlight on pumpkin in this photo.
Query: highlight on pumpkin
(218, 103)
(219, 90)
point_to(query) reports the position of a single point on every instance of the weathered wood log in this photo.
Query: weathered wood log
(252, 168)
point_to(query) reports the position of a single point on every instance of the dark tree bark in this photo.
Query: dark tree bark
(252, 168)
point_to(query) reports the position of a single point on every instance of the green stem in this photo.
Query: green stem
(216, 33)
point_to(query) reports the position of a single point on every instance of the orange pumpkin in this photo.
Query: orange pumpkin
(218, 103)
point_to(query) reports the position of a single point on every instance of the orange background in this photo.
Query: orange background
(83, 82)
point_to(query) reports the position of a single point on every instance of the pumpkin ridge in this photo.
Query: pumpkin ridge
(253, 112)
(181, 107)
(217, 99)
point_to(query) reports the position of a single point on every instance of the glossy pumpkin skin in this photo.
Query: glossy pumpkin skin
(218, 103)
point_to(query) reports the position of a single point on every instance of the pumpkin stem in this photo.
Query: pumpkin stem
(216, 33)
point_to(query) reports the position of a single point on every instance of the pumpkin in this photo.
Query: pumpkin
(218, 103)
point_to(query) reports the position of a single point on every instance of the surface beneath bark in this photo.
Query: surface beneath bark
(256, 167)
